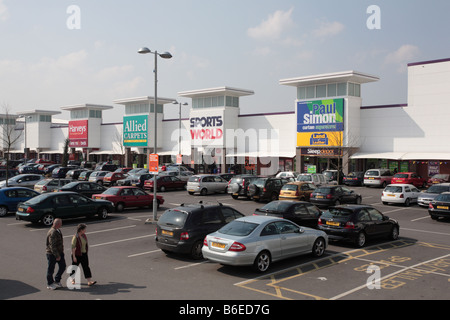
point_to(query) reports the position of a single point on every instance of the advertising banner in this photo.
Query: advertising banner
(320, 123)
(78, 134)
(206, 129)
(135, 131)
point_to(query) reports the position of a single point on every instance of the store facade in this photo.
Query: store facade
(327, 128)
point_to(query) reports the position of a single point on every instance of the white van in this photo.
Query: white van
(317, 179)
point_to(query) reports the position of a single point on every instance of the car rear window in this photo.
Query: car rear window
(437, 189)
(443, 197)
(290, 187)
(194, 179)
(394, 189)
(305, 177)
(276, 206)
(400, 175)
(112, 191)
(260, 182)
(372, 173)
(323, 190)
(337, 213)
(175, 218)
(238, 228)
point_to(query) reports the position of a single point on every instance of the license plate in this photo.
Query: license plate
(21, 210)
(319, 197)
(333, 223)
(235, 194)
(370, 178)
(191, 190)
(442, 207)
(167, 233)
(217, 245)
(391, 195)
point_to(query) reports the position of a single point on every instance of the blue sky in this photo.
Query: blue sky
(249, 44)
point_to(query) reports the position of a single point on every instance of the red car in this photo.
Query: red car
(164, 183)
(439, 178)
(409, 178)
(111, 178)
(128, 197)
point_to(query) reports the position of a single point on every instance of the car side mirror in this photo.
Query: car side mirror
(385, 218)
(301, 230)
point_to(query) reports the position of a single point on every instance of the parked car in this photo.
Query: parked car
(111, 178)
(333, 196)
(128, 197)
(409, 178)
(400, 193)
(296, 190)
(206, 184)
(106, 167)
(22, 180)
(238, 185)
(84, 176)
(354, 179)
(164, 183)
(98, 176)
(11, 197)
(317, 179)
(182, 229)
(265, 188)
(426, 196)
(301, 212)
(11, 173)
(50, 185)
(287, 174)
(74, 173)
(49, 169)
(440, 206)
(439, 178)
(85, 188)
(226, 176)
(257, 241)
(60, 172)
(357, 223)
(29, 168)
(377, 178)
(48, 206)
(136, 180)
(182, 175)
(123, 170)
(334, 176)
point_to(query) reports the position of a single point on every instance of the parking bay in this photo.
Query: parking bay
(129, 266)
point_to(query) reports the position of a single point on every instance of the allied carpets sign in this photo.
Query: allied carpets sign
(135, 131)
(320, 123)
(78, 133)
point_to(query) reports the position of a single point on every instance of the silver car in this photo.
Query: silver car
(260, 240)
(425, 197)
(206, 184)
(23, 180)
(49, 185)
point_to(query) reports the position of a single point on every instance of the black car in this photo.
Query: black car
(440, 206)
(60, 172)
(333, 196)
(46, 207)
(107, 167)
(182, 229)
(354, 179)
(74, 173)
(357, 223)
(238, 185)
(83, 187)
(300, 212)
(136, 180)
(49, 169)
(266, 188)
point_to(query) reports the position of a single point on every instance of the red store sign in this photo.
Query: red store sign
(78, 133)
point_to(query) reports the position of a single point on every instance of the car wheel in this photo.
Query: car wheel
(190, 192)
(162, 189)
(433, 217)
(102, 213)
(394, 233)
(337, 202)
(384, 185)
(203, 192)
(196, 250)
(407, 202)
(234, 196)
(319, 247)
(3, 211)
(360, 240)
(262, 261)
(119, 207)
(358, 200)
(47, 219)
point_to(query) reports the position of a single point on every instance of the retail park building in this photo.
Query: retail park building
(327, 124)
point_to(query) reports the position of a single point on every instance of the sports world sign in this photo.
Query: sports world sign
(135, 131)
(320, 123)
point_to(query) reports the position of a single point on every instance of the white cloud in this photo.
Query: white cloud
(273, 27)
(4, 14)
(402, 56)
(327, 29)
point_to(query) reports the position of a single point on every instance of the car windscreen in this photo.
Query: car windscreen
(238, 228)
(443, 197)
(440, 176)
(112, 191)
(175, 218)
(276, 206)
(437, 189)
(393, 189)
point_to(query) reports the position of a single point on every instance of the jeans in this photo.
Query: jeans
(51, 259)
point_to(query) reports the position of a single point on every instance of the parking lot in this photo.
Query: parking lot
(127, 264)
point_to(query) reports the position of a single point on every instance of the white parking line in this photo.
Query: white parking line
(143, 253)
(123, 240)
(191, 265)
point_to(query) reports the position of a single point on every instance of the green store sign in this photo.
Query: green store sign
(135, 131)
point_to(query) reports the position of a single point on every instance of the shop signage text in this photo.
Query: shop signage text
(78, 133)
(206, 128)
(135, 131)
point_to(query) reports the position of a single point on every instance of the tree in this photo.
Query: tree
(65, 158)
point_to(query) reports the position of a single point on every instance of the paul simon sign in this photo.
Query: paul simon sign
(320, 123)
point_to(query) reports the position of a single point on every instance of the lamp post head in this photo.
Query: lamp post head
(165, 55)
(144, 50)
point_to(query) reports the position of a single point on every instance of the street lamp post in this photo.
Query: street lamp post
(165, 55)
(179, 131)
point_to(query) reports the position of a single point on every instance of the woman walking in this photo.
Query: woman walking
(80, 253)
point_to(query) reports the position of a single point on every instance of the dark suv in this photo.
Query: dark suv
(183, 229)
(266, 188)
(238, 185)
